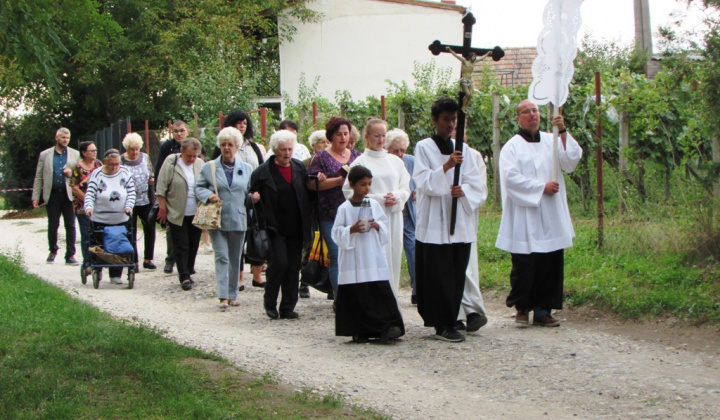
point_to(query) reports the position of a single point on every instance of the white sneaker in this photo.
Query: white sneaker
(115, 280)
(208, 248)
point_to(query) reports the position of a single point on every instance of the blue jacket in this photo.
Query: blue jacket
(234, 214)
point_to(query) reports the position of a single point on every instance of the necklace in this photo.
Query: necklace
(341, 154)
(228, 165)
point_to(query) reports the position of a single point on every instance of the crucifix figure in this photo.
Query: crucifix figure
(469, 57)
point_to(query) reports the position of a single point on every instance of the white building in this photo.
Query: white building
(359, 44)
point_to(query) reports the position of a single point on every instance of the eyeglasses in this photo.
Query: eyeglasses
(91, 150)
(530, 111)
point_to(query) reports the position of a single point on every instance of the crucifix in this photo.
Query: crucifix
(467, 56)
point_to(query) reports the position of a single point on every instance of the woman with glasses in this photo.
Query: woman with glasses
(78, 182)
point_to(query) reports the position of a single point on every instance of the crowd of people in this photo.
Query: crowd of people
(367, 207)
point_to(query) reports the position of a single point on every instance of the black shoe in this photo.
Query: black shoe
(51, 258)
(304, 291)
(272, 313)
(331, 295)
(186, 284)
(241, 288)
(450, 335)
(71, 261)
(391, 334)
(168, 268)
(475, 321)
(360, 339)
(460, 326)
(149, 266)
(257, 284)
(289, 315)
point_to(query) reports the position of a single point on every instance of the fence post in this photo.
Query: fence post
(496, 145)
(314, 107)
(263, 123)
(599, 158)
(382, 107)
(624, 143)
(220, 120)
(147, 137)
(197, 129)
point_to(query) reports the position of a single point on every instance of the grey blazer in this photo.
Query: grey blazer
(44, 174)
(233, 217)
(173, 185)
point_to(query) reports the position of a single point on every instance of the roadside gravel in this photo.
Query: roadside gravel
(590, 367)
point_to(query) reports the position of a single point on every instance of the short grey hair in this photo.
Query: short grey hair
(62, 130)
(230, 133)
(190, 143)
(132, 141)
(315, 137)
(397, 135)
(281, 136)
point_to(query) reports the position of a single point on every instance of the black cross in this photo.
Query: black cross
(496, 53)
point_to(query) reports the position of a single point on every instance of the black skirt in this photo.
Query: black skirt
(366, 309)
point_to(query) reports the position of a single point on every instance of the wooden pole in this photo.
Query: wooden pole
(315, 112)
(624, 144)
(221, 117)
(263, 123)
(382, 107)
(600, 197)
(197, 129)
(147, 137)
(496, 145)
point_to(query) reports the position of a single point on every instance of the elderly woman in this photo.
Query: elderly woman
(396, 144)
(110, 198)
(177, 205)
(142, 173)
(253, 154)
(327, 165)
(281, 181)
(390, 188)
(78, 182)
(232, 178)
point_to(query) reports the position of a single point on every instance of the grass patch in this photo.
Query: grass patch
(61, 358)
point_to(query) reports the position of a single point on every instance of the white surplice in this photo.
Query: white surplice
(434, 203)
(533, 221)
(472, 301)
(360, 259)
(389, 176)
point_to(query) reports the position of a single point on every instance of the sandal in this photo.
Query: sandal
(223, 304)
(233, 302)
(186, 284)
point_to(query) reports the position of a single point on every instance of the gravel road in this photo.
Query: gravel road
(593, 366)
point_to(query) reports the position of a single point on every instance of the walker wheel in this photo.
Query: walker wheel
(131, 278)
(96, 276)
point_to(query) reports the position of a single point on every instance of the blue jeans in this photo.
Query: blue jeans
(409, 246)
(227, 246)
(326, 230)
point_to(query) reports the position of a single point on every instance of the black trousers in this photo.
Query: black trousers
(186, 238)
(536, 280)
(440, 281)
(59, 205)
(283, 271)
(148, 230)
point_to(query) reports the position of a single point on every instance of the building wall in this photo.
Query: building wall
(358, 44)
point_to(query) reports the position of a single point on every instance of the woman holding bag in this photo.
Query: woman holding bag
(227, 180)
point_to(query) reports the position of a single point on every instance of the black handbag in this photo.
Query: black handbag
(315, 273)
(258, 242)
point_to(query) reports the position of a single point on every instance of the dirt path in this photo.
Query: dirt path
(591, 367)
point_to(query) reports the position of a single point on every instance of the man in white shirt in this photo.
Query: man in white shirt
(535, 226)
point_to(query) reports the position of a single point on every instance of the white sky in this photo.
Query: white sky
(517, 23)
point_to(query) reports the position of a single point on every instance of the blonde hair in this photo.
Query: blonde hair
(132, 141)
(369, 122)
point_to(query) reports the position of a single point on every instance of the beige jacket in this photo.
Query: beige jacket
(173, 185)
(44, 174)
